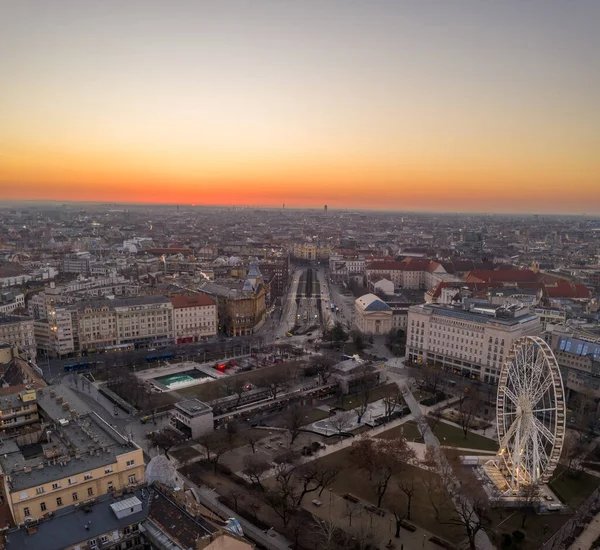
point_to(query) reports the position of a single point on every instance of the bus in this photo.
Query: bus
(73, 367)
(158, 357)
(118, 347)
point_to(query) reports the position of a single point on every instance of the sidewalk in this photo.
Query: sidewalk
(589, 535)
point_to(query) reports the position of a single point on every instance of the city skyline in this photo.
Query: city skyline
(396, 106)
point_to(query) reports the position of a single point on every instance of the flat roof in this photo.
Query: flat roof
(193, 406)
(72, 525)
(457, 313)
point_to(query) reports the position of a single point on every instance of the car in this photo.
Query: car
(289, 334)
(309, 334)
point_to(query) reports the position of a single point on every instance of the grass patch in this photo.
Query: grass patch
(409, 430)
(352, 401)
(314, 415)
(571, 487)
(455, 437)
(186, 454)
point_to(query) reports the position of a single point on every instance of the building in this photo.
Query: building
(10, 301)
(18, 331)
(353, 375)
(194, 317)
(381, 286)
(410, 273)
(372, 315)
(471, 341)
(18, 410)
(77, 457)
(76, 262)
(578, 354)
(193, 417)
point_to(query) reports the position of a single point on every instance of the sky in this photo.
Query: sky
(450, 105)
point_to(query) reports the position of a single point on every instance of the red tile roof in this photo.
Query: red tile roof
(191, 300)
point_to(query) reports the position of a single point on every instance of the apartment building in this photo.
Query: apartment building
(471, 342)
(410, 273)
(18, 410)
(76, 262)
(194, 317)
(78, 457)
(18, 331)
(10, 301)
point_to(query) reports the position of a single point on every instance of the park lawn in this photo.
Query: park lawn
(313, 415)
(409, 430)
(352, 480)
(186, 454)
(573, 488)
(351, 401)
(453, 436)
(218, 388)
(537, 530)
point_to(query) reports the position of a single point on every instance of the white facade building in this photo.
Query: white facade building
(373, 315)
(471, 343)
(194, 317)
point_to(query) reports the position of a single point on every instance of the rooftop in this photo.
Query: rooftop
(72, 525)
(193, 407)
(460, 313)
(370, 302)
(191, 300)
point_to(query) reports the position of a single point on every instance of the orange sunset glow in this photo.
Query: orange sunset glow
(460, 106)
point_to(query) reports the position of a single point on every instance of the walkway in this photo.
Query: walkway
(481, 539)
(586, 540)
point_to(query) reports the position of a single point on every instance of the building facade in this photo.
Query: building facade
(194, 317)
(372, 315)
(473, 344)
(18, 331)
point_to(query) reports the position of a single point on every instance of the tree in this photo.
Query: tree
(216, 444)
(276, 381)
(293, 421)
(231, 431)
(407, 486)
(358, 340)
(353, 509)
(468, 410)
(381, 459)
(338, 334)
(252, 439)
(235, 385)
(165, 439)
(398, 518)
(529, 496)
(391, 402)
(255, 468)
(341, 422)
(321, 365)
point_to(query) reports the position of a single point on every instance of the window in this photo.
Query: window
(39, 490)
(74, 497)
(131, 479)
(56, 485)
(104, 539)
(90, 491)
(87, 476)
(59, 501)
(108, 470)
(26, 511)
(130, 462)
(93, 543)
(72, 480)
(43, 506)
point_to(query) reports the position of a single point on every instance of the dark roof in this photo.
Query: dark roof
(67, 527)
(191, 300)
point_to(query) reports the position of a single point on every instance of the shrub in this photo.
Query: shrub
(519, 536)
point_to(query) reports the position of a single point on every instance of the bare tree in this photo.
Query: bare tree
(276, 381)
(529, 497)
(398, 518)
(341, 422)
(252, 440)
(322, 365)
(392, 401)
(468, 411)
(293, 422)
(381, 459)
(255, 468)
(407, 486)
(165, 439)
(327, 530)
(235, 385)
(353, 509)
(216, 444)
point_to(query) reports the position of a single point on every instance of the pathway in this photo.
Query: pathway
(586, 540)
(482, 541)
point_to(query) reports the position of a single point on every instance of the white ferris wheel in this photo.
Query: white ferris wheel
(531, 415)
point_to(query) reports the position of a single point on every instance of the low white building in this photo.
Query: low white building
(193, 417)
(373, 315)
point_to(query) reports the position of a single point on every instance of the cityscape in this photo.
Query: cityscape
(299, 275)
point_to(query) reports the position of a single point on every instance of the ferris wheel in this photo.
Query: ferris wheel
(530, 411)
